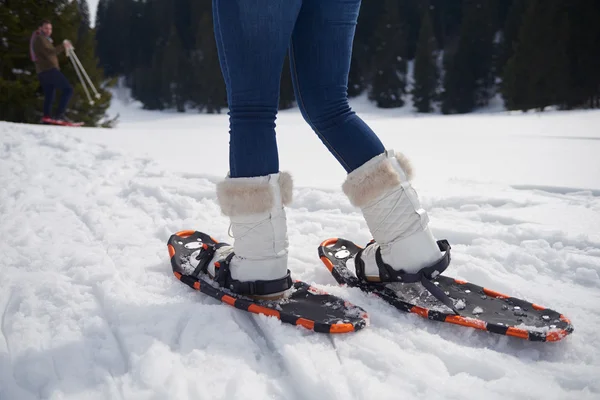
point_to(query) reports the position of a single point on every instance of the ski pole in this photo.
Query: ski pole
(87, 93)
(85, 73)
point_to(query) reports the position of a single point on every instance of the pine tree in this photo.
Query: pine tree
(361, 66)
(356, 77)
(469, 79)
(210, 93)
(583, 51)
(426, 72)
(410, 15)
(530, 79)
(100, 27)
(22, 97)
(171, 56)
(84, 14)
(114, 35)
(388, 85)
(510, 33)
(286, 97)
(501, 13)
(104, 35)
(18, 80)
(446, 19)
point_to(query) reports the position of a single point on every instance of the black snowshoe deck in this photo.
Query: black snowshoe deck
(306, 305)
(479, 307)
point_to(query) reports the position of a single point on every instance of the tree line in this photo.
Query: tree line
(534, 53)
(449, 56)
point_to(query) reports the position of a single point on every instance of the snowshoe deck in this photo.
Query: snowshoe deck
(479, 308)
(306, 305)
(52, 121)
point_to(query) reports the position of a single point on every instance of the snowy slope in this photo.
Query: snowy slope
(90, 310)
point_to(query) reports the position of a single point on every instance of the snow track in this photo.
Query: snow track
(90, 310)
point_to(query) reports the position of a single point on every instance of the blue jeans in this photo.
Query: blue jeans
(253, 37)
(51, 80)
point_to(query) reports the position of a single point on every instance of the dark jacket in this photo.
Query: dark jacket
(46, 53)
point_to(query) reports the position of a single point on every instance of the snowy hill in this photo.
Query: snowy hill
(90, 310)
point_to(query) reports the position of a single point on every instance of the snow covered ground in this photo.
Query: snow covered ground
(90, 310)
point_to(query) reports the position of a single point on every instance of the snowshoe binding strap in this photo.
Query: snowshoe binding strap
(388, 275)
(204, 257)
(253, 288)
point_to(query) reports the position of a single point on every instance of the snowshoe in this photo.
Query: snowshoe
(60, 121)
(445, 299)
(302, 304)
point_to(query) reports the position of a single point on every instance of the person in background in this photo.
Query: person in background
(45, 56)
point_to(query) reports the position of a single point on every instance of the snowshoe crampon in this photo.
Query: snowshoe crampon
(477, 307)
(303, 305)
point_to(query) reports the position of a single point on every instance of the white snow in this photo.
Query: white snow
(477, 310)
(90, 310)
(93, 7)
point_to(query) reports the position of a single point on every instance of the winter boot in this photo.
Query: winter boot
(257, 261)
(402, 240)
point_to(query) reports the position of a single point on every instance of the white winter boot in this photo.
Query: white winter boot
(381, 189)
(257, 261)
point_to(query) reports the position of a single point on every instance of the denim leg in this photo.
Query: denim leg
(252, 40)
(66, 89)
(48, 87)
(48, 100)
(320, 56)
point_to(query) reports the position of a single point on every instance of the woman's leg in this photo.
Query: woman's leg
(320, 55)
(378, 182)
(252, 40)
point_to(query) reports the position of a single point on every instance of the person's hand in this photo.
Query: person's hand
(68, 45)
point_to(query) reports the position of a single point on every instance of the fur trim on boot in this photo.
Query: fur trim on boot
(255, 207)
(381, 189)
(246, 196)
(375, 177)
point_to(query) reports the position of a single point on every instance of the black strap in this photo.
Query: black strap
(387, 274)
(253, 288)
(204, 257)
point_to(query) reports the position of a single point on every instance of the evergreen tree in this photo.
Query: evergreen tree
(510, 33)
(286, 97)
(426, 73)
(99, 26)
(356, 77)
(18, 80)
(173, 72)
(501, 13)
(361, 66)
(114, 44)
(209, 86)
(84, 14)
(583, 53)
(537, 75)
(167, 52)
(410, 16)
(447, 17)
(22, 97)
(468, 81)
(389, 72)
